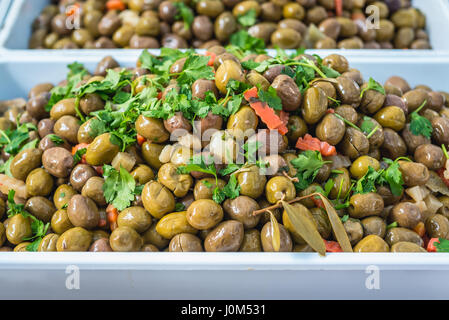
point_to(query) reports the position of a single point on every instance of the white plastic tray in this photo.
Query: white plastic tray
(220, 276)
(17, 30)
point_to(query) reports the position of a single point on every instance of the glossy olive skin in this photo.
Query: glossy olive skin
(288, 92)
(40, 207)
(437, 226)
(179, 184)
(100, 245)
(241, 209)
(393, 145)
(430, 155)
(62, 195)
(343, 180)
(24, 162)
(330, 129)
(93, 189)
(371, 243)
(354, 144)
(251, 241)
(348, 91)
(396, 235)
(228, 70)
(361, 165)
(406, 247)
(243, 121)
(252, 182)
(440, 130)
(101, 150)
(354, 230)
(185, 242)
(57, 161)
(74, 239)
(125, 239)
(391, 117)
(39, 183)
(83, 212)
(414, 174)
(278, 188)
(151, 152)
(374, 225)
(364, 205)
(224, 26)
(226, 237)
(406, 214)
(157, 199)
(151, 236)
(174, 223)
(204, 214)
(48, 243)
(152, 129)
(314, 105)
(65, 107)
(60, 221)
(266, 239)
(18, 228)
(136, 218)
(142, 174)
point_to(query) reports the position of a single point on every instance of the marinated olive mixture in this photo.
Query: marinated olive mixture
(319, 24)
(304, 155)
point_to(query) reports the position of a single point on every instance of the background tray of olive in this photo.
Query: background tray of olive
(152, 24)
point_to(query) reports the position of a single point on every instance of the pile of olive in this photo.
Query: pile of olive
(69, 195)
(283, 23)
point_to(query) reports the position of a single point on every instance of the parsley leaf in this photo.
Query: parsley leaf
(195, 67)
(307, 165)
(420, 125)
(13, 140)
(393, 176)
(242, 43)
(56, 139)
(179, 207)
(248, 19)
(367, 125)
(271, 98)
(184, 13)
(119, 187)
(373, 85)
(367, 183)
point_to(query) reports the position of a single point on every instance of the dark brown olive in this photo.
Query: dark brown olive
(393, 146)
(354, 144)
(348, 91)
(440, 132)
(430, 155)
(406, 214)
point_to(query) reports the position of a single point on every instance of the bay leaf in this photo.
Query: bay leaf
(275, 233)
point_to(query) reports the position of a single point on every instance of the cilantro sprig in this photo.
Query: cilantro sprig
(119, 187)
(420, 125)
(248, 19)
(13, 140)
(184, 13)
(307, 164)
(373, 85)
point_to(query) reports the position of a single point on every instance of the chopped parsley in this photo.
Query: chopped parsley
(420, 125)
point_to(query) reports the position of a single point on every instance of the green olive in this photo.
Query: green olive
(101, 151)
(41, 208)
(48, 243)
(228, 70)
(157, 199)
(135, 217)
(286, 38)
(297, 127)
(360, 166)
(152, 129)
(279, 188)
(204, 188)
(18, 229)
(242, 7)
(148, 26)
(372, 243)
(251, 241)
(342, 183)
(251, 182)
(241, 123)
(62, 195)
(125, 239)
(151, 152)
(84, 132)
(179, 184)
(65, 107)
(364, 205)
(204, 214)
(24, 162)
(209, 8)
(174, 223)
(151, 236)
(74, 239)
(314, 105)
(225, 25)
(142, 174)
(293, 10)
(60, 221)
(391, 117)
(39, 183)
(22, 247)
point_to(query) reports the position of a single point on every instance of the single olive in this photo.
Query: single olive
(125, 239)
(135, 217)
(279, 188)
(157, 199)
(39, 183)
(372, 243)
(204, 214)
(266, 235)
